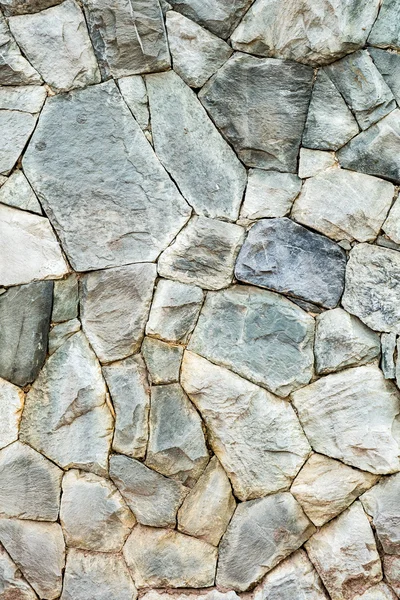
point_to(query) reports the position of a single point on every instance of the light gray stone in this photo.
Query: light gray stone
(314, 32)
(176, 445)
(205, 168)
(381, 591)
(11, 406)
(14, 68)
(345, 555)
(392, 224)
(382, 504)
(259, 335)
(11, 581)
(61, 332)
(212, 594)
(163, 361)
(344, 205)
(196, 53)
(38, 549)
(391, 567)
(256, 436)
(130, 393)
(16, 127)
(261, 533)
(115, 304)
(353, 416)
(21, 7)
(17, 192)
(25, 98)
(398, 363)
(219, 17)
(388, 64)
(203, 253)
(371, 292)
(24, 327)
(65, 416)
(312, 162)
(153, 499)
(269, 194)
(385, 31)
(66, 299)
(98, 134)
(166, 558)
(342, 340)
(174, 310)
(128, 37)
(276, 95)
(133, 90)
(388, 342)
(30, 485)
(330, 123)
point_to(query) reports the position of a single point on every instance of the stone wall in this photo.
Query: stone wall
(200, 300)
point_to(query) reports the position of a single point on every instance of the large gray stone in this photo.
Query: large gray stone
(14, 68)
(256, 436)
(25, 98)
(12, 584)
(21, 7)
(388, 64)
(382, 504)
(275, 94)
(259, 335)
(219, 16)
(204, 166)
(141, 209)
(283, 256)
(385, 31)
(66, 299)
(17, 192)
(163, 360)
(11, 406)
(24, 328)
(261, 533)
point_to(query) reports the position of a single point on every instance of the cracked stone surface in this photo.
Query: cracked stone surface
(11, 406)
(14, 68)
(17, 192)
(219, 17)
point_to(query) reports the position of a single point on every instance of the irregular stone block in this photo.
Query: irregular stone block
(61, 333)
(11, 406)
(259, 335)
(133, 90)
(12, 582)
(212, 594)
(312, 162)
(388, 64)
(382, 504)
(385, 31)
(220, 17)
(17, 128)
(276, 95)
(17, 192)
(66, 299)
(21, 7)
(391, 567)
(162, 360)
(392, 224)
(25, 98)
(381, 591)
(269, 194)
(14, 68)
(388, 341)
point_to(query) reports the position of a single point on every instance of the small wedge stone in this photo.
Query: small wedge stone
(391, 226)
(133, 90)
(14, 68)
(17, 192)
(388, 64)
(313, 162)
(388, 342)
(61, 332)
(385, 31)
(66, 299)
(381, 503)
(163, 361)
(269, 194)
(11, 406)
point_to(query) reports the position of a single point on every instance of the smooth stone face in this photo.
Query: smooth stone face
(65, 416)
(166, 558)
(276, 94)
(133, 90)
(98, 134)
(345, 555)
(388, 64)
(128, 37)
(30, 485)
(174, 310)
(382, 504)
(11, 581)
(259, 335)
(17, 192)
(14, 68)
(176, 446)
(326, 487)
(330, 123)
(163, 361)
(255, 435)
(196, 53)
(219, 17)
(96, 575)
(26, 98)
(392, 224)
(56, 42)
(342, 340)
(353, 416)
(130, 394)
(115, 304)
(11, 406)
(261, 533)
(372, 292)
(385, 31)
(61, 332)
(269, 194)
(38, 549)
(153, 499)
(203, 254)
(66, 299)
(313, 162)
(388, 343)
(17, 128)
(192, 150)
(314, 32)
(283, 256)
(24, 328)
(21, 7)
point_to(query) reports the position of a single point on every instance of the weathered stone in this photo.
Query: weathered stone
(166, 558)
(38, 549)
(391, 567)
(66, 299)
(203, 253)
(61, 332)
(196, 53)
(12, 584)
(269, 194)
(176, 446)
(11, 406)
(382, 504)
(208, 508)
(25, 98)
(212, 594)
(345, 555)
(220, 17)
(16, 127)
(385, 31)
(97, 576)
(344, 205)
(24, 327)
(128, 37)
(30, 485)
(153, 499)
(259, 335)
(341, 340)
(330, 123)
(174, 310)
(98, 134)
(93, 514)
(21, 7)
(17, 192)
(261, 533)
(381, 591)
(372, 292)
(205, 168)
(388, 342)
(130, 394)
(163, 361)
(392, 224)
(283, 256)
(398, 363)
(14, 68)
(353, 416)
(65, 415)
(115, 304)
(133, 90)
(388, 64)
(276, 95)
(326, 487)
(313, 162)
(256, 436)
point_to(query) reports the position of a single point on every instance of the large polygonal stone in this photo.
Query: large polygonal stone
(388, 64)
(382, 504)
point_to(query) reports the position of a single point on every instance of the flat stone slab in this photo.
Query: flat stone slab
(385, 32)
(17, 192)
(269, 194)
(14, 68)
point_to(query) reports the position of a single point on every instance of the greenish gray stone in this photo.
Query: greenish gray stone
(17, 192)
(386, 32)
(61, 332)
(14, 68)
(382, 503)
(163, 361)
(66, 299)
(388, 64)
(219, 17)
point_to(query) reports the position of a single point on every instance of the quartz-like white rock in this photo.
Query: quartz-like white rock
(269, 194)
(17, 192)
(312, 162)
(11, 406)
(382, 504)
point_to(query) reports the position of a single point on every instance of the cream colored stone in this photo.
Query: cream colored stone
(11, 405)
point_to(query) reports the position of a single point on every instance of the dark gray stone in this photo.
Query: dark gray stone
(388, 64)
(24, 328)
(66, 299)
(22, 7)
(386, 29)
(219, 16)
(288, 258)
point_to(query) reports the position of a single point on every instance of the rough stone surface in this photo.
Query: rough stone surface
(14, 68)
(133, 90)
(385, 31)
(312, 162)
(17, 192)
(22, 7)
(382, 504)
(381, 591)
(163, 361)
(26, 98)
(388, 343)
(391, 567)
(11, 406)
(269, 194)
(388, 64)
(66, 299)
(259, 335)
(391, 226)
(212, 594)
(11, 581)
(61, 332)
(220, 17)
(17, 127)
